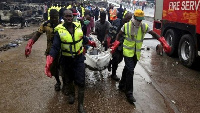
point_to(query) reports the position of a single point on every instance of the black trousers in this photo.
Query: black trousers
(117, 58)
(127, 74)
(73, 70)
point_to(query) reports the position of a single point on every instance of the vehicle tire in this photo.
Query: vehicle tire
(172, 39)
(186, 50)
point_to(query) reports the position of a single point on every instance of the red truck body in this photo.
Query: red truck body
(179, 22)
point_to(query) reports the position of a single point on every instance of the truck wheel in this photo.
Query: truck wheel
(186, 50)
(172, 39)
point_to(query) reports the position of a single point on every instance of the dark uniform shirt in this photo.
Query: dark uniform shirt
(48, 28)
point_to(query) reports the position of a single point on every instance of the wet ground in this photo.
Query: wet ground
(25, 88)
(178, 85)
(161, 83)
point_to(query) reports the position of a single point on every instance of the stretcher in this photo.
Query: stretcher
(96, 58)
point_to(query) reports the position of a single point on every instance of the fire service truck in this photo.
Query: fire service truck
(179, 22)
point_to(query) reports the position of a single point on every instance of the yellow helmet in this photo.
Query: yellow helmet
(139, 14)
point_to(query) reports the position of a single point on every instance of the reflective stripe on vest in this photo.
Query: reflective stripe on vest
(70, 45)
(132, 44)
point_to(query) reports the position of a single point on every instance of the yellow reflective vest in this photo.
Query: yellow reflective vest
(70, 45)
(132, 44)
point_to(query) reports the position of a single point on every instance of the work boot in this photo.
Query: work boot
(81, 99)
(130, 99)
(121, 87)
(57, 86)
(65, 90)
(71, 97)
(114, 77)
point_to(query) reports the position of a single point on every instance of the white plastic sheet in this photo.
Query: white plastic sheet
(97, 58)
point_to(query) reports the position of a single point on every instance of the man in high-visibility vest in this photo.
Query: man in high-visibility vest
(69, 40)
(134, 32)
(117, 56)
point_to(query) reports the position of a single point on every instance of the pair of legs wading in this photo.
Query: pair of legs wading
(73, 70)
(126, 82)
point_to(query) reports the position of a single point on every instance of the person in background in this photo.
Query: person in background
(108, 11)
(113, 13)
(120, 12)
(61, 12)
(45, 9)
(96, 13)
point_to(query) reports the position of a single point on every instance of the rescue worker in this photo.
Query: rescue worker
(108, 11)
(117, 56)
(134, 32)
(47, 27)
(69, 39)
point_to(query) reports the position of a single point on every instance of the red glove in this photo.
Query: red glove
(115, 45)
(165, 45)
(92, 43)
(29, 47)
(49, 61)
(108, 41)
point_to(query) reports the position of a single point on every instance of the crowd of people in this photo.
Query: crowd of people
(68, 30)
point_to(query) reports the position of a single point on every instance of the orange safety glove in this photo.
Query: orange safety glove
(29, 47)
(165, 45)
(114, 46)
(92, 43)
(49, 61)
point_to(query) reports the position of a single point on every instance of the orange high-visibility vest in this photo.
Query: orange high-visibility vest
(113, 14)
